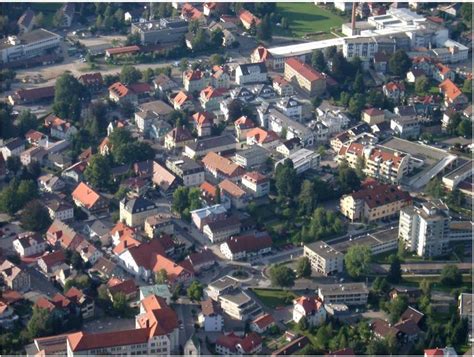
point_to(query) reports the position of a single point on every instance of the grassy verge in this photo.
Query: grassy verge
(435, 282)
(307, 18)
(272, 297)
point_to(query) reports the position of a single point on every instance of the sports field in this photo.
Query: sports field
(305, 18)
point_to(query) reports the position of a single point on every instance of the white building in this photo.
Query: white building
(256, 183)
(303, 160)
(425, 230)
(238, 305)
(323, 258)
(312, 309)
(250, 73)
(347, 293)
(210, 318)
(28, 244)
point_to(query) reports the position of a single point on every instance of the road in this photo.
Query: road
(185, 316)
(40, 283)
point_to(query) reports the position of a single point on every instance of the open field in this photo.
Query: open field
(272, 298)
(304, 18)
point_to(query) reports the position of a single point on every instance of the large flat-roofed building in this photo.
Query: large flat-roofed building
(238, 305)
(221, 286)
(188, 170)
(253, 156)
(303, 160)
(348, 293)
(164, 30)
(323, 258)
(28, 45)
(453, 178)
(381, 241)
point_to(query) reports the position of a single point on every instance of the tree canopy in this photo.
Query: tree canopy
(357, 260)
(69, 94)
(35, 217)
(282, 276)
(399, 63)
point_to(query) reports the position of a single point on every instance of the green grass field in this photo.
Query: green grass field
(272, 298)
(304, 18)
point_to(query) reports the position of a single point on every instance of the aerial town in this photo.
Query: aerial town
(236, 178)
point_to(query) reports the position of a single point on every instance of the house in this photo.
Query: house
(59, 209)
(192, 347)
(33, 95)
(261, 137)
(293, 347)
(99, 231)
(179, 137)
(289, 147)
(247, 246)
(211, 97)
(49, 262)
(303, 160)
(278, 122)
(13, 147)
(183, 101)
(158, 224)
(59, 128)
(231, 344)
(208, 192)
(380, 62)
(105, 268)
(412, 294)
(262, 323)
(242, 94)
(441, 352)
(210, 318)
(136, 186)
(394, 91)
(14, 277)
(134, 211)
(37, 138)
(283, 87)
(405, 126)
(202, 123)
(442, 72)
(88, 252)
(205, 215)
(151, 112)
(304, 76)
(189, 171)
(29, 243)
(219, 230)
(221, 167)
(220, 287)
(251, 157)
(291, 107)
(222, 144)
(248, 19)
(414, 74)
(230, 191)
(311, 309)
(220, 77)
(62, 235)
(251, 73)
(239, 305)
(453, 96)
(92, 81)
(242, 126)
(26, 22)
(381, 329)
(119, 92)
(33, 154)
(374, 202)
(163, 179)
(195, 80)
(323, 258)
(83, 302)
(373, 116)
(50, 183)
(164, 84)
(190, 13)
(73, 173)
(202, 260)
(89, 200)
(256, 183)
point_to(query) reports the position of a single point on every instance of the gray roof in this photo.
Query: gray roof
(343, 289)
(248, 68)
(136, 205)
(14, 143)
(212, 142)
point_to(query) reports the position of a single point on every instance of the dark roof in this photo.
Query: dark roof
(36, 93)
(249, 243)
(292, 347)
(26, 18)
(136, 205)
(212, 142)
(247, 68)
(224, 223)
(412, 314)
(291, 143)
(14, 143)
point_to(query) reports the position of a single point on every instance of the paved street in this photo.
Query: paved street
(184, 309)
(40, 283)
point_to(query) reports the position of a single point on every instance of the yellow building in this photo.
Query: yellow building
(306, 77)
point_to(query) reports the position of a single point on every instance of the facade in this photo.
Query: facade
(210, 318)
(190, 172)
(220, 230)
(250, 73)
(88, 199)
(251, 157)
(28, 244)
(425, 230)
(203, 216)
(221, 167)
(374, 202)
(465, 310)
(346, 293)
(279, 122)
(238, 305)
(256, 183)
(178, 138)
(216, 144)
(323, 258)
(247, 246)
(306, 77)
(303, 160)
(165, 30)
(134, 211)
(14, 277)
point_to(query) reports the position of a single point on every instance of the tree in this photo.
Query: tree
(39, 324)
(216, 60)
(380, 285)
(359, 85)
(286, 179)
(27, 121)
(69, 94)
(281, 275)
(396, 308)
(217, 38)
(98, 172)
(129, 75)
(377, 347)
(465, 128)
(199, 41)
(303, 324)
(348, 179)
(356, 104)
(58, 18)
(453, 123)
(318, 61)
(264, 29)
(183, 64)
(435, 188)
(425, 287)
(467, 87)
(195, 291)
(14, 164)
(303, 268)
(399, 63)
(451, 276)
(161, 276)
(26, 191)
(357, 260)
(455, 198)
(120, 304)
(35, 217)
(422, 84)
(466, 12)
(306, 198)
(39, 20)
(395, 271)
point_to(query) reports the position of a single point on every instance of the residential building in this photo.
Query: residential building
(89, 200)
(323, 258)
(211, 97)
(251, 73)
(88, 252)
(33, 154)
(247, 246)
(29, 243)
(192, 347)
(203, 216)
(220, 77)
(303, 160)
(37, 138)
(262, 323)
(311, 309)
(465, 310)
(345, 293)
(394, 91)
(164, 84)
(202, 260)
(158, 224)
(242, 126)
(119, 92)
(179, 137)
(92, 81)
(210, 317)
(217, 144)
(134, 211)
(163, 179)
(232, 344)
(220, 287)
(291, 107)
(266, 139)
(406, 126)
(14, 277)
(59, 234)
(195, 80)
(202, 122)
(373, 116)
(59, 209)
(26, 22)
(256, 183)
(374, 202)
(49, 262)
(233, 194)
(32, 95)
(165, 30)
(425, 229)
(292, 347)
(50, 183)
(239, 305)
(222, 229)
(248, 19)
(283, 87)
(28, 45)
(288, 147)
(441, 352)
(150, 112)
(190, 172)
(13, 147)
(453, 96)
(221, 167)
(279, 122)
(251, 157)
(304, 76)
(84, 303)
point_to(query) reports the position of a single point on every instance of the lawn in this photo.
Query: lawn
(434, 280)
(304, 18)
(272, 298)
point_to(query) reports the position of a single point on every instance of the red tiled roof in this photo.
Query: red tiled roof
(82, 341)
(35, 93)
(248, 243)
(161, 319)
(180, 98)
(85, 195)
(434, 352)
(126, 287)
(139, 87)
(392, 86)
(373, 111)
(190, 12)
(262, 53)
(217, 162)
(119, 89)
(263, 136)
(193, 75)
(304, 70)
(201, 118)
(264, 321)
(255, 176)
(309, 304)
(449, 89)
(34, 135)
(211, 92)
(250, 342)
(208, 188)
(51, 259)
(91, 78)
(231, 188)
(122, 50)
(375, 195)
(244, 122)
(248, 17)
